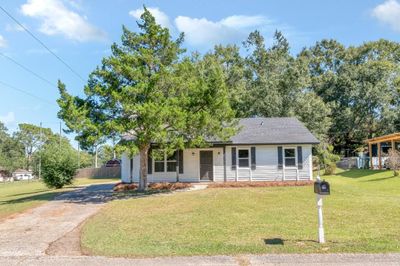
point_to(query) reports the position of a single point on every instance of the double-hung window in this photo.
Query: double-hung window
(243, 158)
(290, 157)
(159, 165)
(171, 163)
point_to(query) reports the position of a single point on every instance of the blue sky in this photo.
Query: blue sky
(81, 32)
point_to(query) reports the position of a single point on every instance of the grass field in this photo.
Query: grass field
(361, 215)
(18, 196)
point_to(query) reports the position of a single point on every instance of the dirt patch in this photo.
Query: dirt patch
(68, 245)
(261, 184)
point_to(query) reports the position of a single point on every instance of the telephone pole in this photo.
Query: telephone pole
(40, 155)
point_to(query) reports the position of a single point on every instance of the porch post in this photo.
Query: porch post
(379, 155)
(224, 158)
(393, 146)
(370, 155)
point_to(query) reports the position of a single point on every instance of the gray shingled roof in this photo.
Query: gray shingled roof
(279, 130)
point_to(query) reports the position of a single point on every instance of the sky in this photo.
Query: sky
(81, 32)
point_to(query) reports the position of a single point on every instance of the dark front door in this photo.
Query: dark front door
(206, 166)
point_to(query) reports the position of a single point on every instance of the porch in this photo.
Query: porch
(378, 148)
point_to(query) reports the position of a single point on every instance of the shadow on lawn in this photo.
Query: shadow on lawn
(358, 173)
(380, 179)
(37, 197)
(273, 241)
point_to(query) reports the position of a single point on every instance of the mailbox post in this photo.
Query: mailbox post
(321, 188)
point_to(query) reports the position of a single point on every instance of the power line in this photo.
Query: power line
(41, 43)
(28, 70)
(27, 93)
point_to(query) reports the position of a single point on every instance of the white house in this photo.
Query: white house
(22, 174)
(264, 149)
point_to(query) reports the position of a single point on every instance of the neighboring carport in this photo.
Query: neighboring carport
(391, 141)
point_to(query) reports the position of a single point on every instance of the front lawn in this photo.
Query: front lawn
(21, 195)
(361, 215)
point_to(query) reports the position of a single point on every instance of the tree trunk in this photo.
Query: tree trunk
(95, 158)
(144, 152)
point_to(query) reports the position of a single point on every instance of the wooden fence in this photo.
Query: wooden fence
(102, 172)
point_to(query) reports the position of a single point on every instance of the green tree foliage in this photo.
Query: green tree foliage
(278, 85)
(361, 84)
(11, 151)
(59, 164)
(147, 90)
(32, 137)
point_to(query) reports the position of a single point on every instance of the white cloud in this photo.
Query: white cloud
(57, 19)
(7, 119)
(3, 42)
(161, 17)
(388, 13)
(201, 31)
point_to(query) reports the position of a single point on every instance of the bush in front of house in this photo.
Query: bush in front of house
(163, 186)
(233, 184)
(59, 165)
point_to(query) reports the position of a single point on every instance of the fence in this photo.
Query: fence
(102, 172)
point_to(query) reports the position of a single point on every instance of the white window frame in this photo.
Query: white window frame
(238, 159)
(165, 161)
(295, 157)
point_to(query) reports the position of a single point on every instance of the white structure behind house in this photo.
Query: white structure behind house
(22, 174)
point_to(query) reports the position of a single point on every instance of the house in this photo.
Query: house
(21, 174)
(264, 149)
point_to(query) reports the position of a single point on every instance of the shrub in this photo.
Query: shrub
(152, 186)
(330, 169)
(393, 161)
(261, 184)
(58, 165)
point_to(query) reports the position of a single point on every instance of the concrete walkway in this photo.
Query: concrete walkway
(309, 259)
(30, 233)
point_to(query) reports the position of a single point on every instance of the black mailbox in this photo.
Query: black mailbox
(322, 188)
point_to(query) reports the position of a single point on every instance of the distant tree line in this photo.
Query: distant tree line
(23, 148)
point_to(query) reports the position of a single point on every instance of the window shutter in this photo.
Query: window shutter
(253, 158)
(180, 161)
(233, 158)
(280, 158)
(149, 162)
(299, 157)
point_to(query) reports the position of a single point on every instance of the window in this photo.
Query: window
(171, 163)
(159, 165)
(243, 156)
(290, 157)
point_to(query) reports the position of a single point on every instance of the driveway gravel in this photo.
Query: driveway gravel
(30, 233)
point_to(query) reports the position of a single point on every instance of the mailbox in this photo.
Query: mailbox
(322, 188)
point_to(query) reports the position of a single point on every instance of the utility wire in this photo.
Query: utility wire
(41, 43)
(28, 70)
(27, 93)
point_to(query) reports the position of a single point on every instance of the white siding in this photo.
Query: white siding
(266, 166)
(191, 168)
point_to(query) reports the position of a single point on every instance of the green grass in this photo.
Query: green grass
(21, 195)
(361, 215)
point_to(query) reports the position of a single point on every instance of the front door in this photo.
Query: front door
(206, 166)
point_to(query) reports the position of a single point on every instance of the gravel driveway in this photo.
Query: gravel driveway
(30, 233)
